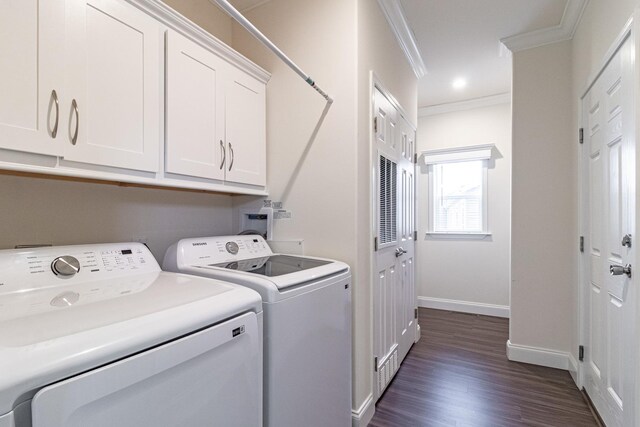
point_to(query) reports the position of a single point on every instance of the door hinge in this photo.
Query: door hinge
(581, 353)
(415, 313)
(375, 125)
(375, 363)
(581, 136)
(581, 243)
(375, 244)
(415, 235)
(415, 158)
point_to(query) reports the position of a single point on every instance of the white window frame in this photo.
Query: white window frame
(457, 155)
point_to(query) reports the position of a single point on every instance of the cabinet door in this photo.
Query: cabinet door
(115, 80)
(31, 52)
(195, 110)
(245, 129)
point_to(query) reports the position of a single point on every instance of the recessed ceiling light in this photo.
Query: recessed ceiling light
(459, 83)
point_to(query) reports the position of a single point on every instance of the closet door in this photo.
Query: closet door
(31, 52)
(115, 68)
(245, 129)
(195, 110)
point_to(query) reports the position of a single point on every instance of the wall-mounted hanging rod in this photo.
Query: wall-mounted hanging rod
(233, 12)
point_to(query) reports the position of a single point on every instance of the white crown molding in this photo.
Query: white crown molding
(176, 21)
(570, 19)
(394, 13)
(487, 101)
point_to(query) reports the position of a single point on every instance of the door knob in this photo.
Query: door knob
(618, 270)
(400, 252)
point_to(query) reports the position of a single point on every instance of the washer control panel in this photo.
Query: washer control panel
(219, 249)
(37, 268)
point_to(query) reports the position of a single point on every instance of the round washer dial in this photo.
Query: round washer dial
(65, 266)
(232, 248)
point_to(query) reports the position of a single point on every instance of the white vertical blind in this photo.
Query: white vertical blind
(458, 197)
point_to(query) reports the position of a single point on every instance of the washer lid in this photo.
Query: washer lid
(275, 265)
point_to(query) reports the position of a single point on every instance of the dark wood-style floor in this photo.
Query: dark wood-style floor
(458, 375)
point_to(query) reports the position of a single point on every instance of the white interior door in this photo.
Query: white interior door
(407, 320)
(114, 79)
(394, 269)
(610, 359)
(31, 81)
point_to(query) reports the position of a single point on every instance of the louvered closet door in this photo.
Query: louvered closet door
(387, 277)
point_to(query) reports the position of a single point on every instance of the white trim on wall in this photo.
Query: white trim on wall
(539, 356)
(465, 306)
(362, 416)
(573, 370)
(470, 104)
(564, 31)
(392, 10)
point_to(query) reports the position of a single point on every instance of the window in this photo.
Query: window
(458, 191)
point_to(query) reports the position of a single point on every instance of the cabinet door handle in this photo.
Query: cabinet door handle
(54, 96)
(224, 154)
(232, 156)
(74, 138)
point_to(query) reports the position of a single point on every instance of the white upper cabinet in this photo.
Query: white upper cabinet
(90, 89)
(114, 83)
(245, 129)
(194, 110)
(31, 48)
(216, 124)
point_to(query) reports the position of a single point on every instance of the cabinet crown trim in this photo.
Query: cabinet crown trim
(174, 20)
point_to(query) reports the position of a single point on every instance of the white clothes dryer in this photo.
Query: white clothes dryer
(307, 323)
(98, 335)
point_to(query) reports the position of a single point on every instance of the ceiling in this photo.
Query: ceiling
(460, 39)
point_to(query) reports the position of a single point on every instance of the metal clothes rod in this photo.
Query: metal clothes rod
(233, 12)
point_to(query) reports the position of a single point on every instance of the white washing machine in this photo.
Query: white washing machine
(98, 335)
(307, 323)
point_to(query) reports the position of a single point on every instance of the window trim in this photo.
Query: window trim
(457, 155)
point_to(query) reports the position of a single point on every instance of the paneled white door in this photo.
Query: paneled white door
(114, 80)
(610, 358)
(394, 299)
(407, 319)
(31, 78)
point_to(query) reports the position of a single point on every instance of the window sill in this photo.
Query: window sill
(458, 236)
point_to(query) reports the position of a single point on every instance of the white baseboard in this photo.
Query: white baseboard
(362, 416)
(465, 306)
(573, 370)
(539, 356)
